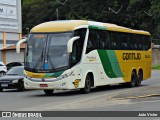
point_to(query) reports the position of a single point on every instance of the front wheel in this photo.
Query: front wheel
(48, 92)
(1, 89)
(87, 87)
(2, 73)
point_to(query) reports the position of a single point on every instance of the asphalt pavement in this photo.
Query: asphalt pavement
(113, 98)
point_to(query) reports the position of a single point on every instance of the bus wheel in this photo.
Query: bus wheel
(87, 87)
(139, 78)
(133, 79)
(48, 92)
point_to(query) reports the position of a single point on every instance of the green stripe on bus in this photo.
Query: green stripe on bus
(57, 74)
(114, 62)
(97, 27)
(110, 63)
(106, 63)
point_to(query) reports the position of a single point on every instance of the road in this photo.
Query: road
(98, 100)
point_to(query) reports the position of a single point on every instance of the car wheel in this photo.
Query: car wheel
(21, 86)
(87, 87)
(48, 92)
(2, 73)
(1, 89)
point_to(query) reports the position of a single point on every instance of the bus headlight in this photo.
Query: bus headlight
(26, 76)
(65, 75)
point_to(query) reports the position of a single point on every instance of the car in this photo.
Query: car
(3, 69)
(13, 79)
(13, 64)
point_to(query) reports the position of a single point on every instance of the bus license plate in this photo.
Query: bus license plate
(4, 85)
(43, 85)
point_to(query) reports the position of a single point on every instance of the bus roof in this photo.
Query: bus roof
(70, 25)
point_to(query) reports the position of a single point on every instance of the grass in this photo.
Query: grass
(156, 67)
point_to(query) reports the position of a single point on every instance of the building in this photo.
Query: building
(12, 56)
(10, 29)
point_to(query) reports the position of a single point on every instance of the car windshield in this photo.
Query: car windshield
(47, 52)
(15, 71)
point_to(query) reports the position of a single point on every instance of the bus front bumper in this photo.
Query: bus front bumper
(61, 84)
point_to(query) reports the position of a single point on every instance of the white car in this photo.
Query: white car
(3, 69)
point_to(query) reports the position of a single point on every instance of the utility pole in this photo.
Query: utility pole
(27, 30)
(62, 3)
(57, 13)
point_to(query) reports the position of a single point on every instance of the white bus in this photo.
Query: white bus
(78, 54)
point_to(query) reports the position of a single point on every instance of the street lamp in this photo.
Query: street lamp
(27, 30)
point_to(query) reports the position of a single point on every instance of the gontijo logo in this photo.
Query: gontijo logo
(131, 56)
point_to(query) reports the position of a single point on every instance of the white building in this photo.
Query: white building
(10, 29)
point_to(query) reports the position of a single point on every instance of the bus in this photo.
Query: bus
(80, 54)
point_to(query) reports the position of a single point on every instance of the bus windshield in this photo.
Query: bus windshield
(47, 52)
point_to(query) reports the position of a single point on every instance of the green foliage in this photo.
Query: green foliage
(156, 67)
(131, 15)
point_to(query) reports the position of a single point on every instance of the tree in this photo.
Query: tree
(130, 15)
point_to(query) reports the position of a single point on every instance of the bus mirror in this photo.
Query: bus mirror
(18, 45)
(70, 43)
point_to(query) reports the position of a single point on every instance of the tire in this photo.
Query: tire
(48, 92)
(1, 89)
(2, 73)
(133, 79)
(21, 86)
(87, 87)
(139, 78)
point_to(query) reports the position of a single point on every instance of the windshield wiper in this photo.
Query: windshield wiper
(49, 59)
(40, 59)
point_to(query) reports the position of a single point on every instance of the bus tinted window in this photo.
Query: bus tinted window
(92, 41)
(78, 45)
(100, 39)
(124, 41)
(103, 38)
(129, 41)
(114, 40)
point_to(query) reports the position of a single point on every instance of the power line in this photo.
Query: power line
(62, 2)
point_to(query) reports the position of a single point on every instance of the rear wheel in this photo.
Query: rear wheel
(1, 89)
(139, 78)
(133, 79)
(87, 87)
(48, 92)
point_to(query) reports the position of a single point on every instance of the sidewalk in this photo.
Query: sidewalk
(141, 92)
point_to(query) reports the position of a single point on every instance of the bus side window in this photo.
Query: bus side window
(104, 39)
(138, 42)
(124, 41)
(74, 57)
(92, 41)
(78, 45)
(147, 42)
(114, 41)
